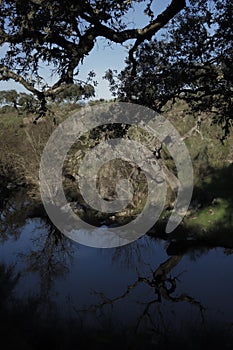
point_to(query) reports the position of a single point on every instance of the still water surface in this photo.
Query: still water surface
(138, 285)
(153, 293)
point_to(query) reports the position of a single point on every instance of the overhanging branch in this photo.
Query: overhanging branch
(69, 50)
(148, 31)
(6, 74)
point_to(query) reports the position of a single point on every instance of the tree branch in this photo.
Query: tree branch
(6, 74)
(140, 35)
(147, 32)
(70, 50)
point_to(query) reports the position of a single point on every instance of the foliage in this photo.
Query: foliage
(192, 61)
(61, 34)
(23, 102)
(73, 93)
(20, 101)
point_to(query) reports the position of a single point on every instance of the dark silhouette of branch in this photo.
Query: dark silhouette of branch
(164, 287)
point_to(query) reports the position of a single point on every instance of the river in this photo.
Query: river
(144, 287)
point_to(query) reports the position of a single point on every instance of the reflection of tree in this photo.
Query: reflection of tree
(50, 257)
(8, 281)
(13, 215)
(132, 254)
(51, 252)
(164, 287)
(15, 211)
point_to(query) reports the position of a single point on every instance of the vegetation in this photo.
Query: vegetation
(185, 74)
(210, 211)
(191, 61)
(62, 35)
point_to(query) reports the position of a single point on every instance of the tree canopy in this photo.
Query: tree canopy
(192, 61)
(62, 33)
(27, 103)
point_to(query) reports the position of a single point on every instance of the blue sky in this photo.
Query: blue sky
(102, 57)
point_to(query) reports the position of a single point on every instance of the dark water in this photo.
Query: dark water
(137, 288)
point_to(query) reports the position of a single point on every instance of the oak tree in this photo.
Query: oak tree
(62, 33)
(192, 61)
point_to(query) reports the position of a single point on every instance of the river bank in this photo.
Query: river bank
(209, 218)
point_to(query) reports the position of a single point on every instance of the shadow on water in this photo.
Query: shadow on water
(154, 293)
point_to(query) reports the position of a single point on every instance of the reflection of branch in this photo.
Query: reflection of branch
(163, 286)
(108, 301)
(50, 257)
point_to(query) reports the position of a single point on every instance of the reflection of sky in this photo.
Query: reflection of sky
(102, 56)
(209, 279)
(206, 278)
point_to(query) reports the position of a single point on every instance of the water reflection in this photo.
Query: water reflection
(163, 286)
(137, 288)
(50, 257)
